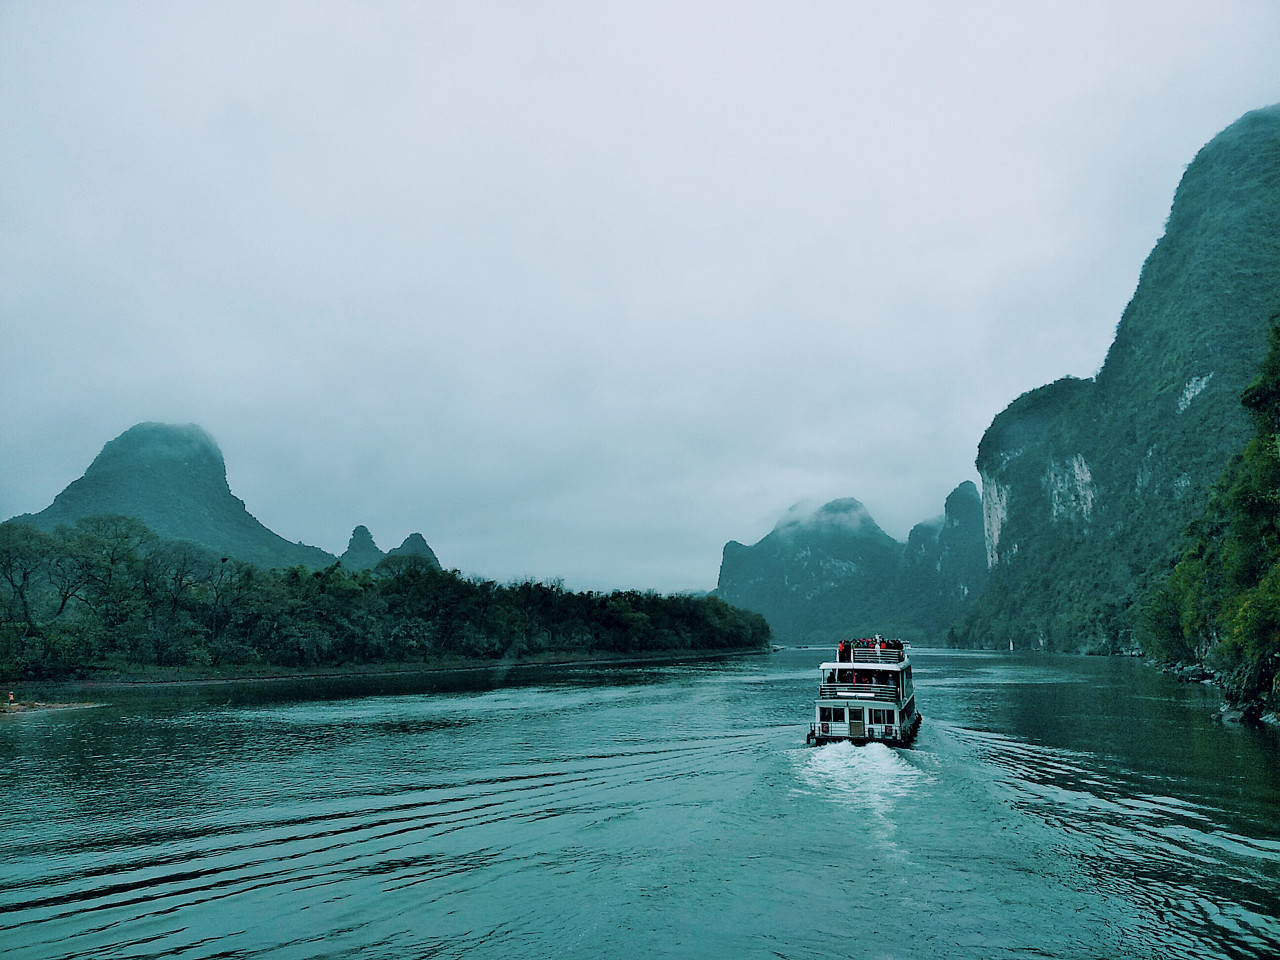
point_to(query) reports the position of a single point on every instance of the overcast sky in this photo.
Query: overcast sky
(581, 290)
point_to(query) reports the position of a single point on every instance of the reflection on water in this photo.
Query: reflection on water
(1053, 807)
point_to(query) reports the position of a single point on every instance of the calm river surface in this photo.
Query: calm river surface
(1052, 807)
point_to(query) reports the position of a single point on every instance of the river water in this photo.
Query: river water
(1052, 807)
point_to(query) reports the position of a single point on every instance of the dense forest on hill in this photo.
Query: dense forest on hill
(1220, 604)
(106, 594)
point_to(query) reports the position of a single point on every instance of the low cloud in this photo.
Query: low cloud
(575, 290)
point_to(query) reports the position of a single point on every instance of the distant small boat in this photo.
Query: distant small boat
(866, 695)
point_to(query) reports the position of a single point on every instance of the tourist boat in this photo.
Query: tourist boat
(866, 695)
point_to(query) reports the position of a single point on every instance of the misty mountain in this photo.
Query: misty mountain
(363, 554)
(415, 546)
(1088, 485)
(173, 479)
(833, 572)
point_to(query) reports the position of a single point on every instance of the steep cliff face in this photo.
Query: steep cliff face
(1088, 484)
(833, 572)
(944, 568)
(1019, 457)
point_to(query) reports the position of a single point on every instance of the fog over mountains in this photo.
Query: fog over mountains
(173, 478)
(580, 291)
(833, 572)
(1087, 484)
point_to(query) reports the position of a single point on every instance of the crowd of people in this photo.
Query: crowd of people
(880, 678)
(845, 650)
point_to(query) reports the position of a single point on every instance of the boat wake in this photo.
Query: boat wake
(874, 777)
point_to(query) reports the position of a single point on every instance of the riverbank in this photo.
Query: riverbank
(1258, 710)
(162, 678)
(36, 706)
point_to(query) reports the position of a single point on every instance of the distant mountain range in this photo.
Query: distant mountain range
(173, 479)
(1087, 485)
(823, 574)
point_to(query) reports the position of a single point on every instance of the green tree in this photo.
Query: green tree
(25, 554)
(1220, 604)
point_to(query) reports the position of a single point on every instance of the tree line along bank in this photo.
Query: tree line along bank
(107, 595)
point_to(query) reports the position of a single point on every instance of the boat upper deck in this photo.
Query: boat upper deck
(867, 670)
(873, 655)
(860, 691)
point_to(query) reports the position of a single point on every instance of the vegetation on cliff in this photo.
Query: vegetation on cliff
(1220, 604)
(1088, 485)
(820, 576)
(106, 594)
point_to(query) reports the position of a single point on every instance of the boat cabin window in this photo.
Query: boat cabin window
(845, 676)
(831, 714)
(855, 714)
(882, 716)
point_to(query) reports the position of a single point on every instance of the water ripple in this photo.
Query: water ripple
(669, 812)
(1169, 857)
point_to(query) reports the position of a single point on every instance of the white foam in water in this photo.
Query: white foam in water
(872, 777)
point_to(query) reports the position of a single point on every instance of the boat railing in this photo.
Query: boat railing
(873, 655)
(863, 691)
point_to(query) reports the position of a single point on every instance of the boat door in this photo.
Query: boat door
(856, 726)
